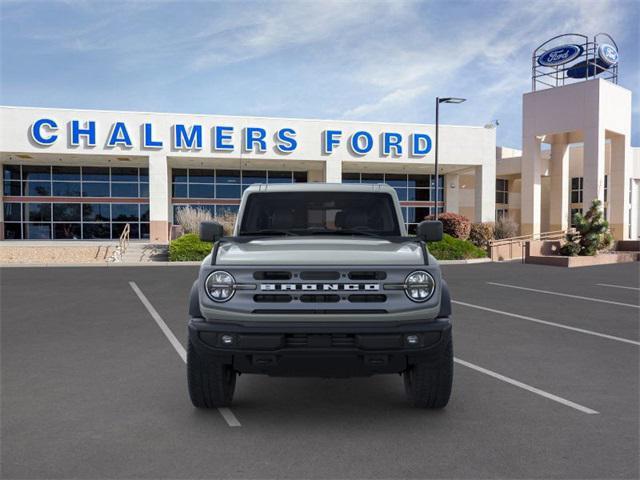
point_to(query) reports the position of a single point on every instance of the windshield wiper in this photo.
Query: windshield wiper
(268, 231)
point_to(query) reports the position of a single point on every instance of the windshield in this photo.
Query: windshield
(317, 213)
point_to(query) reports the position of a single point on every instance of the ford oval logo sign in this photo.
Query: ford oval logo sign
(560, 55)
(608, 54)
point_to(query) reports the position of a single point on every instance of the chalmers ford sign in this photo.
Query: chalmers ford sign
(196, 137)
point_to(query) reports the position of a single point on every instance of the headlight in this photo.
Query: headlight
(419, 286)
(220, 286)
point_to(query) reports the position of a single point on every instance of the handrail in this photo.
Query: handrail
(535, 236)
(123, 244)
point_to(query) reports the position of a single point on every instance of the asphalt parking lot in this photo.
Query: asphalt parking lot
(546, 385)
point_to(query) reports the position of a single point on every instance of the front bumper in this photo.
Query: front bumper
(320, 350)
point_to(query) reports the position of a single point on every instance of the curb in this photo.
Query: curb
(464, 262)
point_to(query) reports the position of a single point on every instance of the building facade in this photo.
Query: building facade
(85, 174)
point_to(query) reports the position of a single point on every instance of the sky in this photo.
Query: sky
(372, 60)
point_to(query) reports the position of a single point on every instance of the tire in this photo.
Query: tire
(211, 383)
(428, 384)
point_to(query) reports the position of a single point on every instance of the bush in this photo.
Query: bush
(450, 248)
(505, 228)
(188, 248)
(457, 226)
(591, 235)
(190, 218)
(481, 234)
(228, 221)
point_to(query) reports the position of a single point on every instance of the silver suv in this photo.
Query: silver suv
(320, 280)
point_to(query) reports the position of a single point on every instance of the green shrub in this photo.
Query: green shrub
(457, 226)
(591, 235)
(481, 234)
(450, 248)
(188, 248)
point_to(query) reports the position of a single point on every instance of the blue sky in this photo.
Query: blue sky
(366, 60)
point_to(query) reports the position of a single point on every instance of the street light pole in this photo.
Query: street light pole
(436, 153)
(438, 102)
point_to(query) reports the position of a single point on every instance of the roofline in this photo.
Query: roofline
(240, 116)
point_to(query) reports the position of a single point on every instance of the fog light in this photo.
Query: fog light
(413, 339)
(227, 339)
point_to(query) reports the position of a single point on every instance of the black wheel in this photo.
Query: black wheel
(428, 384)
(211, 383)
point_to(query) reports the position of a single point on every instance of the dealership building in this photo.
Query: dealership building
(85, 174)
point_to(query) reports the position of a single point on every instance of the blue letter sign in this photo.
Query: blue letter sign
(182, 139)
(421, 144)
(89, 131)
(36, 131)
(286, 140)
(119, 136)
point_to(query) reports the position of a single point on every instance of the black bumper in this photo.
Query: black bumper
(320, 350)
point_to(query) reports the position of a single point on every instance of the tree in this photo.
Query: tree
(591, 235)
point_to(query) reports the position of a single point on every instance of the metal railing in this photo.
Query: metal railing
(123, 244)
(521, 241)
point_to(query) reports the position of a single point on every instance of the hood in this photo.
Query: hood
(320, 251)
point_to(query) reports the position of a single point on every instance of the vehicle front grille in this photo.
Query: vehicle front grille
(319, 298)
(320, 341)
(276, 298)
(320, 311)
(361, 298)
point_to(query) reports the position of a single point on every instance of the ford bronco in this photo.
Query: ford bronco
(320, 280)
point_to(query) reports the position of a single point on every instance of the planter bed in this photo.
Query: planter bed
(602, 259)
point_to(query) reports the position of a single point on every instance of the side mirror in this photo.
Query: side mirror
(430, 231)
(211, 231)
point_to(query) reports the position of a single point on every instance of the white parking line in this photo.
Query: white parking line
(226, 413)
(545, 322)
(529, 388)
(616, 286)
(590, 299)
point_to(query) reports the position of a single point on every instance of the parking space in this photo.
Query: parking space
(93, 388)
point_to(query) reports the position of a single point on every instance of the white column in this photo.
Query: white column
(531, 188)
(559, 196)
(451, 194)
(593, 167)
(333, 171)
(618, 188)
(485, 192)
(159, 198)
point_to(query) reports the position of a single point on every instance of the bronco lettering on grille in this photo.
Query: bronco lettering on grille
(314, 287)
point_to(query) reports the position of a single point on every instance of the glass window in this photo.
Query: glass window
(228, 191)
(372, 178)
(66, 189)
(350, 178)
(576, 190)
(299, 177)
(70, 231)
(66, 173)
(36, 172)
(11, 172)
(66, 212)
(95, 189)
(144, 230)
(124, 212)
(37, 189)
(419, 195)
(12, 189)
(606, 187)
(117, 228)
(221, 210)
(253, 176)
(96, 230)
(13, 231)
(199, 175)
(179, 175)
(124, 190)
(37, 231)
(502, 190)
(96, 212)
(37, 212)
(12, 212)
(396, 180)
(144, 212)
(402, 194)
(201, 190)
(124, 174)
(419, 181)
(144, 174)
(227, 176)
(144, 190)
(279, 177)
(95, 174)
(179, 190)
